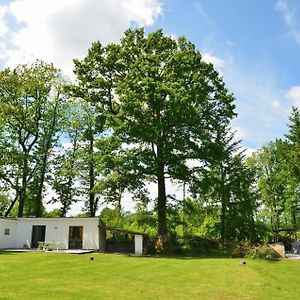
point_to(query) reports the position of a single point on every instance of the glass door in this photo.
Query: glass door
(75, 237)
(38, 235)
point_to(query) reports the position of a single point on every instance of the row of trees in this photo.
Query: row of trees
(277, 168)
(260, 198)
(148, 109)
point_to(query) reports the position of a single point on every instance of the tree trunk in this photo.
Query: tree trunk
(21, 202)
(12, 204)
(22, 195)
(223, 205)
(63, 210)
(39, 202)
(92, 201)
(162, 238)
(223, 221)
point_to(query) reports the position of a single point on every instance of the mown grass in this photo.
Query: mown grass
(38, 275)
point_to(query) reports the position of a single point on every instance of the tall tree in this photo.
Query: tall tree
(293, 186)
(25, 96)
(168, 101)
(66, 165)
(95, 87)
(161, 100)
(48, 139)
(224, 186)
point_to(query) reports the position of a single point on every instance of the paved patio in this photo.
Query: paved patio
(292, 256)
(69, 251)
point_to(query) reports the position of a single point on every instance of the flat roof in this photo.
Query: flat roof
(122, 230)
(41, 219)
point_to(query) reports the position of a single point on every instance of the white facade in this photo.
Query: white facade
(7, 233)
(17, 233)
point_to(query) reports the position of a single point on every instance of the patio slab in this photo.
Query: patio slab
(69, 251)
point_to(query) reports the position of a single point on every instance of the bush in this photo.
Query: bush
(193, 245)
(259, 251)
(264, 252)
(240, 250)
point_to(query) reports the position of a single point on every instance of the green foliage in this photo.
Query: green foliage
(210, 227)
(262, 251)
(160, 100)
(241, 250)
(277, 168)
(4, 203)
(55, 213)
(225, 186)
(27, 97)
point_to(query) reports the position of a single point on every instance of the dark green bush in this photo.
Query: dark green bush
(240, 249)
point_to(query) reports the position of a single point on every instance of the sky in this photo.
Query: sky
(254, 44)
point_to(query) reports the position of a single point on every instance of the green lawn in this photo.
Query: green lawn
(38, 275)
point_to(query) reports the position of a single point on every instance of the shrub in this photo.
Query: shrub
(240, 250)
(259, 251)
(193, 245)
(264, 252)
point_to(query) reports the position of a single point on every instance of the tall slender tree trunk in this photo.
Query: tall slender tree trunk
(11, 206)
(22, 195)
(223, 205)
(39, 202)
(162, 239)
(92, 200)
(63, 210)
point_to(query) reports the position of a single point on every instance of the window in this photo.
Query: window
(6, 231)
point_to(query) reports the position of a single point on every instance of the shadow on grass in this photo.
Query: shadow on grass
(11, 252)
(212, 254)
(16, 251)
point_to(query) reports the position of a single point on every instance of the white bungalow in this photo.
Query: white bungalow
(63, 233)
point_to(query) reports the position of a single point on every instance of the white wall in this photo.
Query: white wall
(7, 241)
(57, 230)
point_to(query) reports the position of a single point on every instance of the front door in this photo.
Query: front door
(38, 235)
(75, 237)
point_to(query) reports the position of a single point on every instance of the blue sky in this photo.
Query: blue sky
(258, 43)
(254, 44)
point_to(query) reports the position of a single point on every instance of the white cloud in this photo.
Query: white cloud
(210, 58)
(248, 151)
(59, 30)
(293, 95)
(290, 18)
(275, 104)
(3, 24)
(239, 132)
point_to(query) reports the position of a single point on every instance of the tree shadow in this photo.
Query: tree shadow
(212, 254)
(14, 251)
